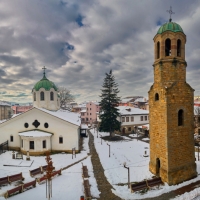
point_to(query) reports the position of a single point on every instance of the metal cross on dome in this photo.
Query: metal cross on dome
(170, 12)
(44, 69)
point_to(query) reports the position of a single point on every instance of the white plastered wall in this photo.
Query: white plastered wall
(58, 127)
(47, 103)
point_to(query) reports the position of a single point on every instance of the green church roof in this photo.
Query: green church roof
(170, 26)
(45, 83)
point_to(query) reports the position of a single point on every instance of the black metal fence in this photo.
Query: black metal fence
(4, 147)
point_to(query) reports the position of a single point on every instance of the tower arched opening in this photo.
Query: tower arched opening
(42, 96)
(156, 97)
(179, 48)
(158, 50)
(180, 117)
(167, 47)
(51, 96)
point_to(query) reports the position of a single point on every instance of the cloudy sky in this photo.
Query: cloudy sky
(80, 40)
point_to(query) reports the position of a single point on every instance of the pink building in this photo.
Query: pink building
(89, 114)
(20, 109)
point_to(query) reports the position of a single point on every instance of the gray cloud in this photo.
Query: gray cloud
(78, 41)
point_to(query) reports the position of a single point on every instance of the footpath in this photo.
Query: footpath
(103, 185)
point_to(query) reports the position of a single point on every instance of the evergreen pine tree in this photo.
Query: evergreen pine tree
(109, 101)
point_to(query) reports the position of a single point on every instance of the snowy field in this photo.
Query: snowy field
(131, 151)
(67, 186)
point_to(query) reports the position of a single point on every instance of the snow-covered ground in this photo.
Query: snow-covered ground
(67, 186)
(130, 151)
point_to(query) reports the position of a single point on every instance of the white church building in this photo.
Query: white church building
(44, 127)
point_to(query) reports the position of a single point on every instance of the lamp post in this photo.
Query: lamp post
(101, 138)
(128, 174)
(109, 149)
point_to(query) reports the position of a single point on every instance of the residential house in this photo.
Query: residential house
(89, 114)
(131, 118)
(5, 110)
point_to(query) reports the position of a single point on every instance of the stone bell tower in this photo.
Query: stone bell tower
(171, 109)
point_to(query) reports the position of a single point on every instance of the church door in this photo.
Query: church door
(157, 166)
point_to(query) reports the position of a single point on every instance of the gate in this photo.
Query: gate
(4, 147)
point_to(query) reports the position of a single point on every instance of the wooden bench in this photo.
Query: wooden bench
(139, 186)
(15, 190)
(4, 181)
(35, 171)
(29, 185)
(16, 177)
(154, 182)
(19, 156)
(44, 168)
(87, 189)
(85, 172)
(40, 180)
(54, 173)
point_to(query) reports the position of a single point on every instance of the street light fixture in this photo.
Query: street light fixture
(101, 138)
(128, 174)
(109, 149)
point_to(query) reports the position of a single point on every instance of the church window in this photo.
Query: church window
(123, 119)
(11, 138)
(34, 96)
(51, 96)
(156, 97)
(145, 118)
(31, 145)
(158, 50)
(42, 96)
(44, 144)
(46, 125)
(178, 48)
(180, 117)
(132, 119)
(60, 140)
(26, 125)
(141, 118)
(168, 47)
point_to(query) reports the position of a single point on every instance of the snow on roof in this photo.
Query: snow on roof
(66, 115)
(127, 110)
(84, 126)
(35, 133)
(83, 110)
(140, 100)
(125, 100)
(4, 104)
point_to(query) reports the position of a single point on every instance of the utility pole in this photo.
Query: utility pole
(128, 174)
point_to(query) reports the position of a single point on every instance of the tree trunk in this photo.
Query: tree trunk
(112, 134)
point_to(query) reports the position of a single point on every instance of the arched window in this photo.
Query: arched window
(34, 96)
(180, 117)
(158, 50)
(42, 96)
(60, 139)
(51, 96)
(156, 97)
(178, 47)
(167, 47)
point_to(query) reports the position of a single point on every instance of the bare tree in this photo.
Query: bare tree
(197, 118)
(65, 98)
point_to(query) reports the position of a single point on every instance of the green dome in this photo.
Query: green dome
(45, 83)
(170, 26)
